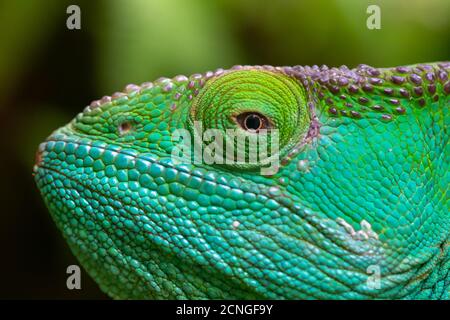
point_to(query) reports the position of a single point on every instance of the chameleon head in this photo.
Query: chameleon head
(355, 208)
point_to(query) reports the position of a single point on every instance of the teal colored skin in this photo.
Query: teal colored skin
(358, 209)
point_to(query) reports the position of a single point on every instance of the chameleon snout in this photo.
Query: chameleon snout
(38, 157)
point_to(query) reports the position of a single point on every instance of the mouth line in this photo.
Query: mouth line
(151, 158)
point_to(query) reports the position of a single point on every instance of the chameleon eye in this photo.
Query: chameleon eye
(253, 100)
(124, 127)
(253, 121)
(240, 104)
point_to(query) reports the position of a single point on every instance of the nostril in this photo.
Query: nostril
(125, 127)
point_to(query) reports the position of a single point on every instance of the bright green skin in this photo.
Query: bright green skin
(144, 227)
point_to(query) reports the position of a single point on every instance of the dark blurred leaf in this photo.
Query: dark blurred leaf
(24, 27)
(140, 40)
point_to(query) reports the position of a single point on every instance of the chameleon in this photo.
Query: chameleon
(356, 208)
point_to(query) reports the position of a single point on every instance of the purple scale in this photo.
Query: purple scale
(377, 107)
(425, 67)
(218, 72)
(430, 76)
(147, 85)
(443, 76)
(404, 92)
(418, 91)
(105, 99)
(323, 80)
(403, 69)
(342, 81)
(355, 114)
(118, 95)
(388, 91)
(191, 84)
(421, 102)
(447, 88)
(367, 88)
(375, 81)
(353, 89)
(95, 104)
(168, 87)
(181, 78)
(394, 101)
(131, 88)
(400, 110)
(415, 79)
(363, 100)
(334, 89)
(397, 79)
(431, 88)
(373, 72)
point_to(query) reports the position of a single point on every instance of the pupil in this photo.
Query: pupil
(253, 122)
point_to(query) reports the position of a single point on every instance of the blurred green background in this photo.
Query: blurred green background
(49, 73)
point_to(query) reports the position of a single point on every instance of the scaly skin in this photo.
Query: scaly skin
(360, 197)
